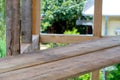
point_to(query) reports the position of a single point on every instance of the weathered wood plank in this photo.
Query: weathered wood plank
(13, 27)
(50, 55)
(66, 68)
(26, 22)
(97, 18)
(62, 38)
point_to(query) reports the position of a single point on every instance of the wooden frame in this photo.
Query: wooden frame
(31, 25)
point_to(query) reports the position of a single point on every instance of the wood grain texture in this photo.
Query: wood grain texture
(97, 27)
(62, 38)
(36, 17)
(13, 27)
(66, 68)
(97, 18)
(95, 75)
(55, 54)
(26, 22)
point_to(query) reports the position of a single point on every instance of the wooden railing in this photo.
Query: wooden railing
(30, 28)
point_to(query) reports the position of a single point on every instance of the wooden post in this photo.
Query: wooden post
(97, 17)
(36, 17)
(26, 21)
(95, 75)
(36, 21)
(97, 28)
(13, 27)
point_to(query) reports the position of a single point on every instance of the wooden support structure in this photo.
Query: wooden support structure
(36, 21)
(64, 62)
(36, 17)
(42, 65)
(13, 27)
(26, 22)
(97, 17)
(30, 25)
(62, 38)
(95, 75)
(97, 28)
(58, 53)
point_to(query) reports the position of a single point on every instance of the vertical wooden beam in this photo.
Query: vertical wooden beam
(36, 17)
(97, 28)
(26, 21)
(97, 18)
(36, 20)
(95, 75)
(13, 27)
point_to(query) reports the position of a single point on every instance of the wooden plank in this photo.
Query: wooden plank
(62, 38)
(26, 22)
(36, 17)
(50, 55)
(13, 27)
(95, 75)
(97, 18)
(66, 68)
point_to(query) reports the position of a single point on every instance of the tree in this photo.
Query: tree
(61, 15)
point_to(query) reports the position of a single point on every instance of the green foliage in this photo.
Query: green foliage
(82, 77)
(2, 48)
(2, 29)
(74, 31)
(114, 74)
(61, 14)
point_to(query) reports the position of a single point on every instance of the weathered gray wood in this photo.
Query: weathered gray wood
(66, 68)
(50, 55)
(26, 21)
(13, 26)
(28, 47)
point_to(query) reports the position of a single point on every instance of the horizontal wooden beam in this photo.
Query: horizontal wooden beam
(66, 68)
(50, 55)
(62, 38)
